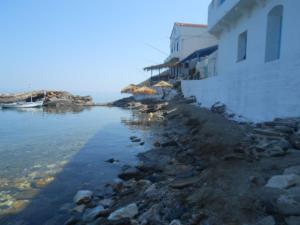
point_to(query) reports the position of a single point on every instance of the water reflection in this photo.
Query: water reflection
(54, 110)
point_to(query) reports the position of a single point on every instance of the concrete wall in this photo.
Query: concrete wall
(257, 90)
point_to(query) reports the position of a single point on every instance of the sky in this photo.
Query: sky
(86, 45)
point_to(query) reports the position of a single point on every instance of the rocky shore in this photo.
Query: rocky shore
(203, 169)
(51, 98)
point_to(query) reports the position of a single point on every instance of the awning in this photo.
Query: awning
(201, 53)
(171, 63)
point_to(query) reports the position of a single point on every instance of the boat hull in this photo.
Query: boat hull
(24, 105)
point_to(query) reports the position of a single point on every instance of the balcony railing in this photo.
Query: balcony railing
(220, 9)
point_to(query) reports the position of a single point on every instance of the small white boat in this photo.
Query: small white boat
(23, 104)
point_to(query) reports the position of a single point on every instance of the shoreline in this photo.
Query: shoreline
(205, 169)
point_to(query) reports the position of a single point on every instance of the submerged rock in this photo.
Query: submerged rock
(83, 197)
(130, 173)
(129, 211)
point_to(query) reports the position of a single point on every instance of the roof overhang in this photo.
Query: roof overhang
(171, 63)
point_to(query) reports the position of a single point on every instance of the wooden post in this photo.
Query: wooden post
(159, 74)
(151, 77)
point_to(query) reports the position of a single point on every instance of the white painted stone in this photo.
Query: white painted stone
(283, 181)
(129, 211)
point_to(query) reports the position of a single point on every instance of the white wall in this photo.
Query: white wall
(257, 90)
(190, 40)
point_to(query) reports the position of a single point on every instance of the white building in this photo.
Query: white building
(258, 66)
(186, 38)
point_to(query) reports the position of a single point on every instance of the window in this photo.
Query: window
(242, 47)
(274, 30)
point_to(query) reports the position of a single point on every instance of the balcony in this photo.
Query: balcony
(222, 13)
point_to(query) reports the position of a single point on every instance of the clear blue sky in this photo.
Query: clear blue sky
(86, 45)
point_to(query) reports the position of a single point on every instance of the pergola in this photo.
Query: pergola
(171, 63)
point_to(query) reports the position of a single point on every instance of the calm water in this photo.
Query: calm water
(45, 157)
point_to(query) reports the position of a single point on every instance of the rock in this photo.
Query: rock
(106, 203)
(293, 170)
(40, 183)
(83, 197)
(283, 181)
(130, 173)
(157, 144)
(175, 222)
(182, 183)
(269, 133)
(92, 214)
(72, 220)
(150, 190)
(135, 139)
(289, 205)
(295, 141)
(112, 160)
(79, 208)
(257, 180)
(128, 211)
(269, 220)
(151, 216)
(169, 144)
(218, 108)
(293, 220)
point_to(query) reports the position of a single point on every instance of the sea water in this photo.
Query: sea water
(47, 155)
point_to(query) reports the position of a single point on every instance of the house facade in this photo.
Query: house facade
(185, 39)
(258, 65)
